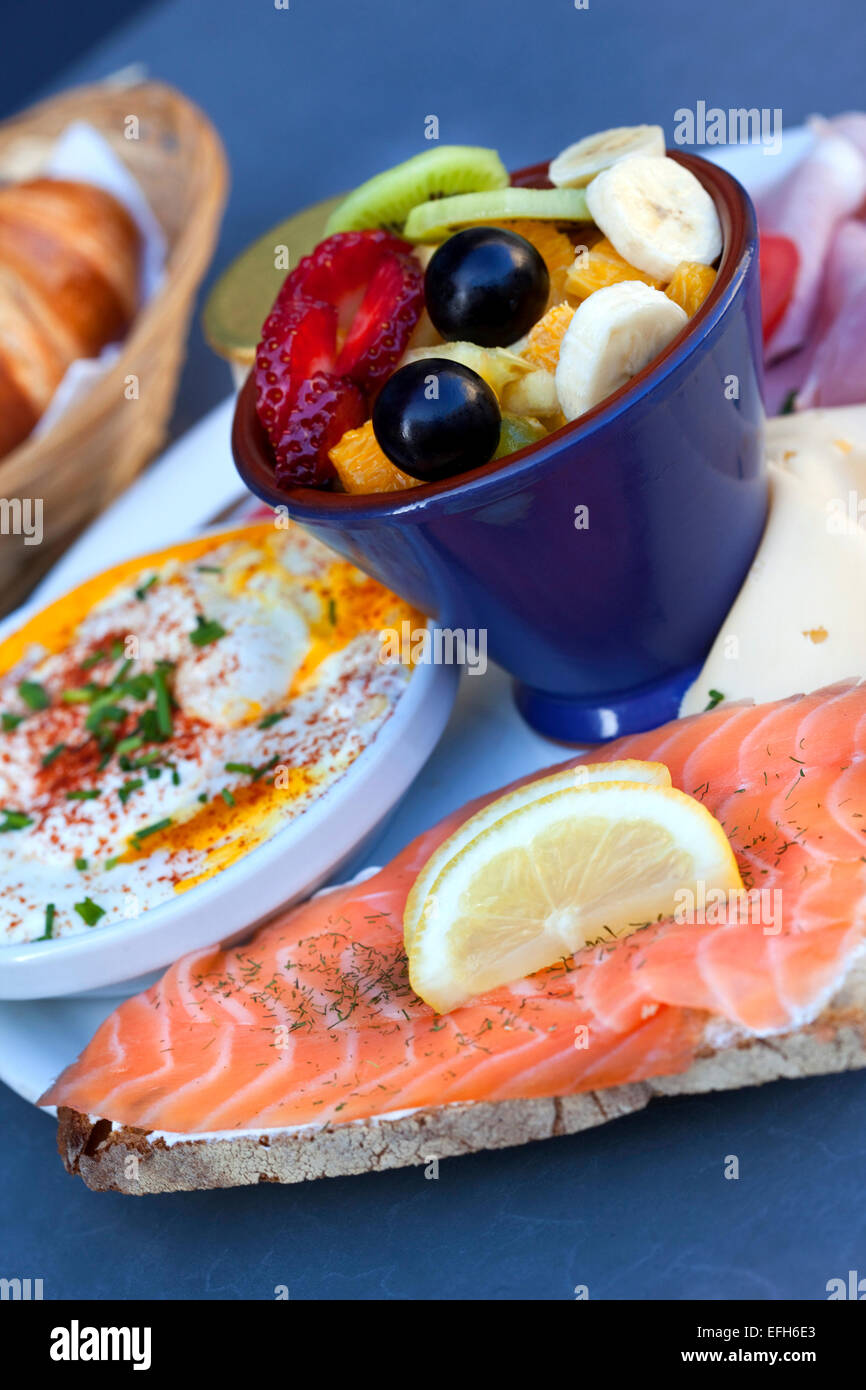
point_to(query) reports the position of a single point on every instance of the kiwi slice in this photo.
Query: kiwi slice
(388, 198)
(515, 432)
(241, 299)
(435, 220)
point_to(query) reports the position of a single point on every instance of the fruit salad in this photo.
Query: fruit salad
(448, 318)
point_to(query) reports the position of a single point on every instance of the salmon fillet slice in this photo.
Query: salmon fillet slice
(313, 1021)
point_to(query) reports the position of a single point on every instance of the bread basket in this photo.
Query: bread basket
(99, 445)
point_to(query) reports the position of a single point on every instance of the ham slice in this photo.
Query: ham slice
(837, 370)
(808, 205)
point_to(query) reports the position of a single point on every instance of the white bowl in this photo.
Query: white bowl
(298, 859)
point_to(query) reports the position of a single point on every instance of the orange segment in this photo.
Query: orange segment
(599, 266)
(363, 467)
(553, 246)
(690, 285)
(545, 338)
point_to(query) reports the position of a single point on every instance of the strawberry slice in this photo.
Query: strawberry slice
(307, 396)
(323, 408)
(385, 321)
(298, 339)
(340, 266)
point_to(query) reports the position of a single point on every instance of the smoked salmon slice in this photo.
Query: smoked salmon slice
(313, 1020)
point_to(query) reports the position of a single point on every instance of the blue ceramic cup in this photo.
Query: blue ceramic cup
(602, 560)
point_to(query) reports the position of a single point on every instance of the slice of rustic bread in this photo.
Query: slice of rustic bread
(122, 1159)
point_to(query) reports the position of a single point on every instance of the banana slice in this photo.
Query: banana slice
(582, 161)
(613, 335)
(656, 213)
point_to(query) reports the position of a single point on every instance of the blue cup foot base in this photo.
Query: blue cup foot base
(598, 718)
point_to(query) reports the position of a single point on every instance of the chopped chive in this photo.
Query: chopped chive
(116, 649)
(148, 727)
(209, 569)
(81, 864)
(206, 631)
(81, 694)
(788, 403)
(129, 745)
(55, 752)
(102, 699)
(716, 698)
(110, 863)
(154, 772)
(15, 820)
(34, 695)
(88, 794)
(147, 760)
(11, 721)
(128, 788)
(143, 588)
(104, 714)
(49, 923)
(104, 760)
(92, 660)
(89, 911)
(271, 719)
(150, 830)
(227, 797)
(203, 798)
(163, 703)
(139, 687)
(125, 668)
(247, 769)
(332, 611)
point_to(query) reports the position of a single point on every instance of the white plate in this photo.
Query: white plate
(297, 860)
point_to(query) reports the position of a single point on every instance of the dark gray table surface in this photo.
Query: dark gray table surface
(309, 100)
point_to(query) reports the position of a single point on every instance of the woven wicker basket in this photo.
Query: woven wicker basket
(98, 446)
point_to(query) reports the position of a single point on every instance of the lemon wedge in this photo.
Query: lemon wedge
(550, 870)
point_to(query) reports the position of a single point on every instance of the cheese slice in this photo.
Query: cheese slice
(840, 431)
(799, 621)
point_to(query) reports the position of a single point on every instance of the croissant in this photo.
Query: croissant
(69, 269)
